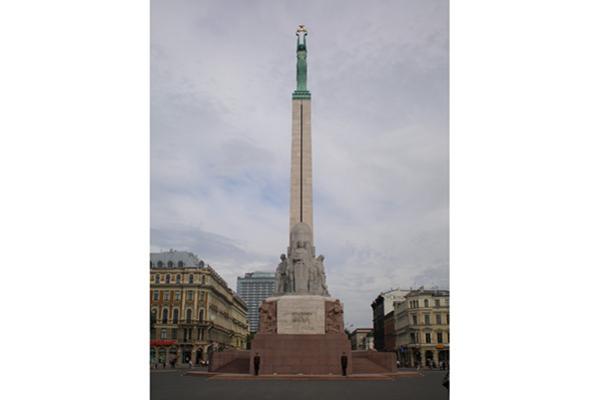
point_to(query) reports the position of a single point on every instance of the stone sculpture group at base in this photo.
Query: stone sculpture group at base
(301, 272)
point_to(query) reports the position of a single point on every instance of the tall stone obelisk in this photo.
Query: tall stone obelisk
(301, 271)
(301, 176)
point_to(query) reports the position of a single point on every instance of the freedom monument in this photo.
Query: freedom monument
(301, 328)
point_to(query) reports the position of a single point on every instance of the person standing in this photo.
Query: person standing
(256, 364)
(344, 361)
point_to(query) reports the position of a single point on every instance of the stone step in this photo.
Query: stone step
(366, 366)
(237, 366)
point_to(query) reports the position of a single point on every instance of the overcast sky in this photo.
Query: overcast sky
(222, 75)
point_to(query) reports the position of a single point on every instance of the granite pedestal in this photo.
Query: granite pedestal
(301, 335)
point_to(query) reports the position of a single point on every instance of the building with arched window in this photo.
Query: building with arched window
(196, 315)
(422, 327)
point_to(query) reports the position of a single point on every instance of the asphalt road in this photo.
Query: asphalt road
(173, 385)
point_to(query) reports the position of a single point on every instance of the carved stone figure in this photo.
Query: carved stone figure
(301, 272)
(281, 275)
(268, 317)
(320, 275)
(334, 317)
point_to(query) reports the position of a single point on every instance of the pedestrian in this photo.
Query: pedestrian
(344, 361)
(256, 364)
(190, 363)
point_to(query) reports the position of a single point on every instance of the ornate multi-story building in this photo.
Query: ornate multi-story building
(193, 311)
(422, 322)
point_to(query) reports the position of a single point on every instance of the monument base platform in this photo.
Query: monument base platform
(287, 355)
(301, 354)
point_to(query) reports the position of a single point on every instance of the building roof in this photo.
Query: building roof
(258, 274)
(429, 292)
(389, 295)
(188, 259)
(362, 330)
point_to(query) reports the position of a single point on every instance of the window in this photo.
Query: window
(157, 278)
(437, 302)
(191, 279)
(152, 333)
(151, 265)
(166, 295)
(428, 337)
(190, 295)
(175, 315)
(160, 264)
(174, 334)
(438, 319)
(427, 321)
(180, 264)
(426, 303)
(178, 279)
(440, 337)
(168, 279)
(177, 295)
(201, 316)
(170, 264)
(203, 279)
(414, 320)
(155, 295)
(163, 333)
(413, 338)
(188, 315)
(165, 316)
(448, 319)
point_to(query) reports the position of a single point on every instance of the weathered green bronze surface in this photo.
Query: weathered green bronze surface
(301, 91)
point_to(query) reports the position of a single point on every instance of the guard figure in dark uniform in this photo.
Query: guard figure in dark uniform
(256, 364)
(344, 360)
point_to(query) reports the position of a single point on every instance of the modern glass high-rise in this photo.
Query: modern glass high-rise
(253, 288)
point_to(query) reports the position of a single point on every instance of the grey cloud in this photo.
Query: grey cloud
(222, 74)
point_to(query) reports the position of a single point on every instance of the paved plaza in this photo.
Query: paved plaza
(175, 385)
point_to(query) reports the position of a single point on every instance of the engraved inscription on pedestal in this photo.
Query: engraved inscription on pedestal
(303, 315)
